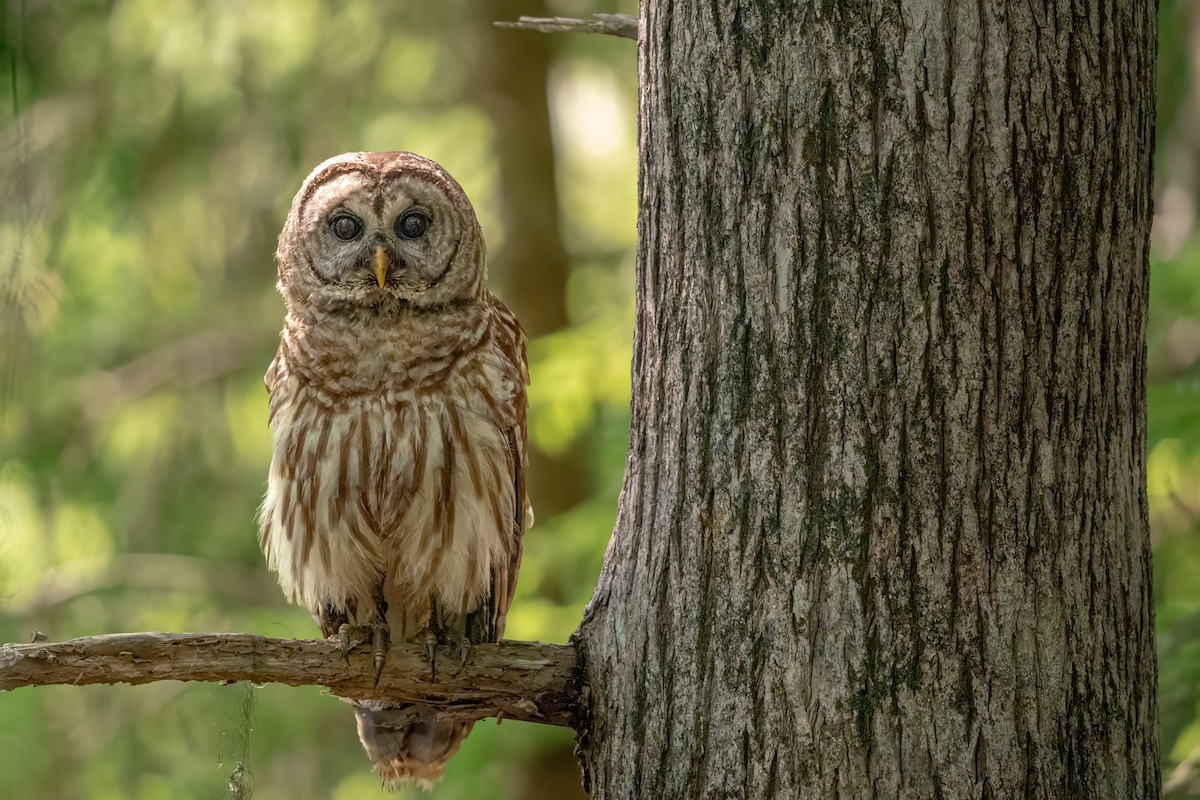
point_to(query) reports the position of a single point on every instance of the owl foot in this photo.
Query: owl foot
(351, 636)
(464, 649)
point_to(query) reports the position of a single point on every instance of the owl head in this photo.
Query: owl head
(380, 231)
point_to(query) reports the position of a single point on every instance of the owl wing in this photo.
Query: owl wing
(276, 374)
(487, 624)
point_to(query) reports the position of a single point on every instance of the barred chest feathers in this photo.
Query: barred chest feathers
(400, 469)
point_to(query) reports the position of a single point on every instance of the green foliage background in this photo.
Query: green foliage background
(148, 153)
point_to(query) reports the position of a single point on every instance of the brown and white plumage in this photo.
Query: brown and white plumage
(396, 490)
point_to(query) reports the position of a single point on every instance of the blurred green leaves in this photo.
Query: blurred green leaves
(148, 154)
(1173, 476)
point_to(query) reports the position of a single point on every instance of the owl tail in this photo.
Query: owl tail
(408, 742)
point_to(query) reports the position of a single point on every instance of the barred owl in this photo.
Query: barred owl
(395, 502)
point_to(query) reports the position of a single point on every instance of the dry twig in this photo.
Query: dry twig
(621, 25)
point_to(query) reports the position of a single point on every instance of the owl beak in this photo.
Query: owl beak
(380, 266)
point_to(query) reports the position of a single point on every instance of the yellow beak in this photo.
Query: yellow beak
(380, 266)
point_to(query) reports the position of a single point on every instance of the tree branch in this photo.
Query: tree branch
(528, 681)
(621, 25)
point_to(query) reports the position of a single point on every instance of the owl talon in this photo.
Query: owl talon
(348, 637)
(379, 642)
(464, 649)
(343, 638)
(351, 636)
(431, 654)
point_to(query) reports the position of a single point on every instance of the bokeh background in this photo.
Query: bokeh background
(148, 153)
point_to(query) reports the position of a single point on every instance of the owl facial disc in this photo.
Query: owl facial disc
(385, 233)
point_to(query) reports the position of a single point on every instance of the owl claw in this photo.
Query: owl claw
(379, 641)
(348, 637)
(343, 637)
(351, 636)
(464, 649)
(431, 654)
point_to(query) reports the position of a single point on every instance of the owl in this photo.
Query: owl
(395, 506)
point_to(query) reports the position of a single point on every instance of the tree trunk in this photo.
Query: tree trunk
(884, 527)
(510, 74)
(509, 77)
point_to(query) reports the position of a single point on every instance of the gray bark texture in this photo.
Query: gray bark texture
(884, 529)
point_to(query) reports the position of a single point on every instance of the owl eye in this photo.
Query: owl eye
(345, 227)
(412, 224)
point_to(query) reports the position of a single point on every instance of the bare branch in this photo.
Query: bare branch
(621, 25)
(528, 681)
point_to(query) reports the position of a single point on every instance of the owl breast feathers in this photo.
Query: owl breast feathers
(397, 405)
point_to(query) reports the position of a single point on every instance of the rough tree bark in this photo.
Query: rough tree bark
(884, 529)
